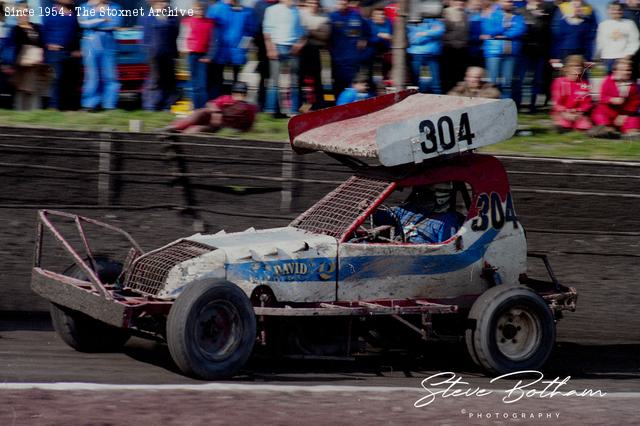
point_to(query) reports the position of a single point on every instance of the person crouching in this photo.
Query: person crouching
(571, 98)
(232, 111)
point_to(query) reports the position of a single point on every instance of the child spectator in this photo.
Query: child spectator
(617, 37)
(232, 111)
(571, 99)
(199, 32)
(235, 27)
(31, 76)
(573, 30)
(473, 85)
(160, 36)
(425, 46)
(347, 45)
(617, 109)
(61, 37)
(502, 33)
(358, 91)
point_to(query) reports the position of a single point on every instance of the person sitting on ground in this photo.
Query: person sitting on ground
(425, 217)
(617, 109)
(571, 98)
(358, 91)
(474, 85)
(232, 111)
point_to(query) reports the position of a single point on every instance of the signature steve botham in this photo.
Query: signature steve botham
(528, 384)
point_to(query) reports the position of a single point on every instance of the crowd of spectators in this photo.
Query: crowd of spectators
(501, 48)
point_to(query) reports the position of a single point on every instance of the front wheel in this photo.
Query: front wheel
(211, 330)
(80, 331)
(511, 328)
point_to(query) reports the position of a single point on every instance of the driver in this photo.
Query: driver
(426, 217)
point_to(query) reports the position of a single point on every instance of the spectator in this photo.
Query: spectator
(474, 85)
(5, 60)
(536, 48)
(99, 49)
(617, 108)
(284, 38)
(31, 76)
(61, 37)
(160, 36)
(571, 98)
(632, 11)
(347, 45)
(477, 11)
(573, 30)
(379, 45)
(617, 37)
(232, 111)
(358, 91)
(425, 47)
(502, 33)
(263, 61)
(198, 35)
(235, 26)
(316, 25)
(454, 44)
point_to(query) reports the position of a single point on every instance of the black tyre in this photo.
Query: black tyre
(511, 329)
(211, 330)
(80, 331)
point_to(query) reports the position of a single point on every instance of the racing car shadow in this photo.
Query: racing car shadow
(580, 361)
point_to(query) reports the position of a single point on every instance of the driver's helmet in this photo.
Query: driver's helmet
(434, 198)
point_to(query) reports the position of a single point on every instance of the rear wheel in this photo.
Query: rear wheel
(80, 331)
(511, 329)
(211, 330)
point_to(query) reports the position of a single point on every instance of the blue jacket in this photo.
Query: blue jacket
(425, 38)
(419, 227)
(62, 30)
(347, 29)
(233, 27)
(96, 23)
(475, 31)
(511, 32)
(351, 95)
(377, 42)
(160, 36)
(573, 39)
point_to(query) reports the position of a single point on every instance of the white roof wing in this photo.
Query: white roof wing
(415, 129)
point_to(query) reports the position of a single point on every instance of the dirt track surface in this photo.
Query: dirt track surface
(301, 406)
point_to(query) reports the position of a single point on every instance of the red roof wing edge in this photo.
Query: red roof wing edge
(305, 122)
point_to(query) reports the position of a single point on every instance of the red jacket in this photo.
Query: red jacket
(199, 33)
(570, 95)
(610, 90)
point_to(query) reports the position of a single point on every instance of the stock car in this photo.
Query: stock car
(333, 282)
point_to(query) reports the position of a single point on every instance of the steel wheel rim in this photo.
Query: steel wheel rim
(518, 333)
(218, 330)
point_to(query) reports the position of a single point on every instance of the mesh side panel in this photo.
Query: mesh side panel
(340, 208)
(150, 272)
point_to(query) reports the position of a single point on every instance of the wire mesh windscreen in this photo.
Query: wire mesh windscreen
(150, 271)
(340, 208)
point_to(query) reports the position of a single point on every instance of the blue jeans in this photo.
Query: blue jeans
(101, 86)
(534, 65)
(285, 58)
(500, 70)
(431, 62)
(198, 71)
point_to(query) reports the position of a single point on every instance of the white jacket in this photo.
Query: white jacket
(617, 39)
